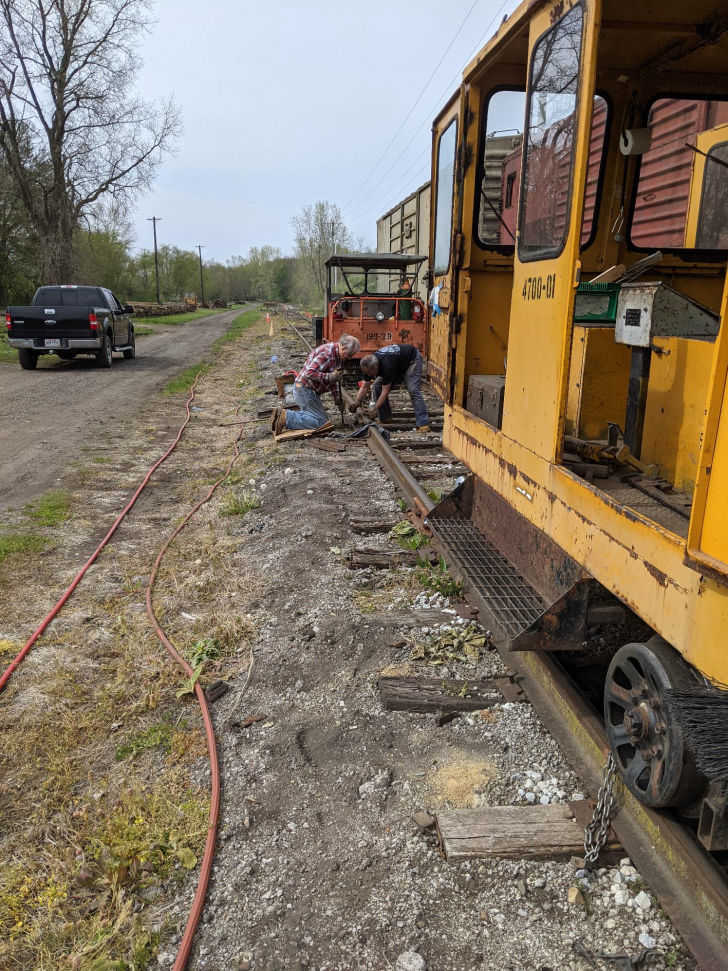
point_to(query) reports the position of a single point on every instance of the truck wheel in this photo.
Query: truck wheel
(103, 357)
(28, 359)
(130, 352)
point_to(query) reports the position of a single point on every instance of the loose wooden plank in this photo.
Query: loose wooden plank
(437, 694)
(382, 559)
(372, 525)
(515, 832)
(409, 618)
(304, 432)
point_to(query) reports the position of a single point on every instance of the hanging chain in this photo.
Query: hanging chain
(597, 831)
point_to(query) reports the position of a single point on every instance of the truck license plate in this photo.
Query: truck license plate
(52, 342)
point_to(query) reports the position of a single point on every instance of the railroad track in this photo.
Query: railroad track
(690, 883)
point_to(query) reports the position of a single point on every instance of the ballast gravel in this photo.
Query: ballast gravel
(321, 863)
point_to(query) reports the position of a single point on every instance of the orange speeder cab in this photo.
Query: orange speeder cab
(370, 296)
(581, 269)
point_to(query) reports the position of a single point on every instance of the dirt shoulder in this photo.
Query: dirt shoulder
(47, 415)
(319, 862)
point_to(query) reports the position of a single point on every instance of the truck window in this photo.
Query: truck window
(68, 297)
(550, 140)
(444, 196)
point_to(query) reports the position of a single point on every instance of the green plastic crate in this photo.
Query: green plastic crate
(596, 303)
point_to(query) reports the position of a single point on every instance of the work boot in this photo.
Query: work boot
(280, 425)
(423, 429)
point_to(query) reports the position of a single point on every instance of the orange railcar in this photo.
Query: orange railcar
(370, 297)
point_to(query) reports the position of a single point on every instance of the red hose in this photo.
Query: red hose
(18, 659)
(206, 866)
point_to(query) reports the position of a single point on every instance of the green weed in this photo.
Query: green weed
(50, 509)
(156, 736)
(204, 650)
(240, 503)
(435, 494)
(408, 536)
(438, 578)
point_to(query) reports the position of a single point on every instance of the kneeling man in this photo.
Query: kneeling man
(321, 373)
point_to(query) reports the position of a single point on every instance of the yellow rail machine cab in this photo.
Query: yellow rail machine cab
(579, 237)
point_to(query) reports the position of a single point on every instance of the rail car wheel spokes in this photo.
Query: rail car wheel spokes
(646, 740)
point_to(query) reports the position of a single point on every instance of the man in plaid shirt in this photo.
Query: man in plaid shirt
(321, 372)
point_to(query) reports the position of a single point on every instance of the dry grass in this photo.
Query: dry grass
(99, 818)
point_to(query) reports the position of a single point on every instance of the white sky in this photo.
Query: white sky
(283, 105)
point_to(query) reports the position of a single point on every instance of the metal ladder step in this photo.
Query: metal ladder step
(513, 603)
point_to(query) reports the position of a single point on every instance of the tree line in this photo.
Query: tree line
(103, 255)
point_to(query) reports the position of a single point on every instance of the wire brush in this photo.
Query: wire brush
(702, 714)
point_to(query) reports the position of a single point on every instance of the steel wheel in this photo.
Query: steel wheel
(646, 740)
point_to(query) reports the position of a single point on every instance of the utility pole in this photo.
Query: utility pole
(154, 220)
(202, 281)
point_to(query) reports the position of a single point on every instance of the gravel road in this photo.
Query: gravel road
(47, 415)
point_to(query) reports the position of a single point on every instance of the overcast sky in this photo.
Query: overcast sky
(286, 104)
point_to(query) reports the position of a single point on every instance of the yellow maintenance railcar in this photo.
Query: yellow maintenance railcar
(579, 340)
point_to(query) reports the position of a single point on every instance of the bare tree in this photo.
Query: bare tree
(319, 229)
(67, 69)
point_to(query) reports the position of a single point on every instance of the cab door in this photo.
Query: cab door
(442, 222)
(708, 534)
(562, 59)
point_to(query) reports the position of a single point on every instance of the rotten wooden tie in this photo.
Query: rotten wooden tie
(517, 832)
(446, 694)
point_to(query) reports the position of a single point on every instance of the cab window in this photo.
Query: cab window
(669, 176)
(550, 138)
(444, 197)
(712, 226)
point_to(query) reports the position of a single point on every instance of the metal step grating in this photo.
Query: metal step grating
(511, 599)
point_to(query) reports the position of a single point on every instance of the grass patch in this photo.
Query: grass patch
(12, 544)
(157, 736)
(240, 503)
(176, 318)
(438, 578)
(8, 354)
(185, 378)
(239, 325)
(50, 509)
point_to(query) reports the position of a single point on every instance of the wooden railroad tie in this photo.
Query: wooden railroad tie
(518, 832)
(445, 695)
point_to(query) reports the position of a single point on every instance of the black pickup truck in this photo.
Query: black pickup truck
(71, 320)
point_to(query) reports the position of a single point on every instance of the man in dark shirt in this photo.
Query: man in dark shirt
(389, 366)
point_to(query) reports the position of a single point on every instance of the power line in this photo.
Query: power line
(418, 99)
(427, 120)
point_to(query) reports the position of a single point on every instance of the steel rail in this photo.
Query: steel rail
(399, 473)
(689, 885)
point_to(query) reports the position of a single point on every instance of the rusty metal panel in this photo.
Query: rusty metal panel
(663, 191)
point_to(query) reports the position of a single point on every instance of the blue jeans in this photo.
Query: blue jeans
(312, 413)
(413, 380)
